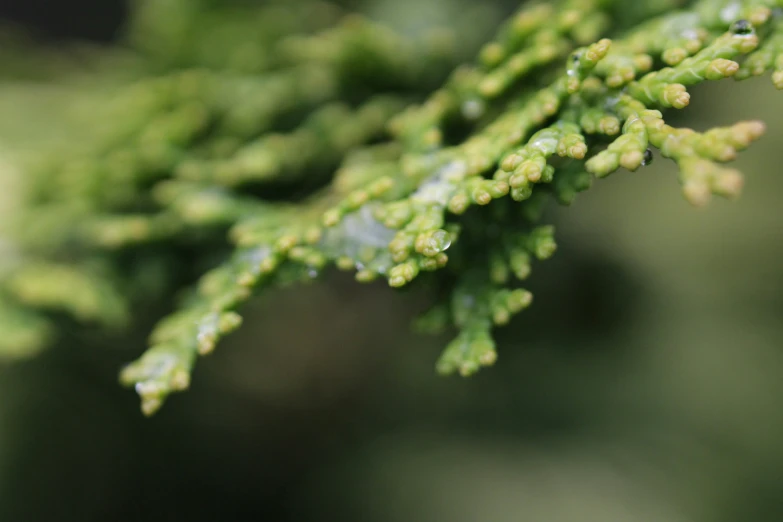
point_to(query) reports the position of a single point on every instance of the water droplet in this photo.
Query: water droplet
(473, 109)
(730, 12)
(742, 28)
(571, 70)
(312, 273)
(149, 389)
(648, 157)
(690, 34)
(207, 334)
(442, 240)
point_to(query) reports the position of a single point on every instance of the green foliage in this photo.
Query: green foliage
(313, 138)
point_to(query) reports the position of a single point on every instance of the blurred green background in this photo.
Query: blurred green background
(644, 385)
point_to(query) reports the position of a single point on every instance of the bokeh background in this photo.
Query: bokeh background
(645, 384)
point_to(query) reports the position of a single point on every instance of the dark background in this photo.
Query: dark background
(59, 19)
